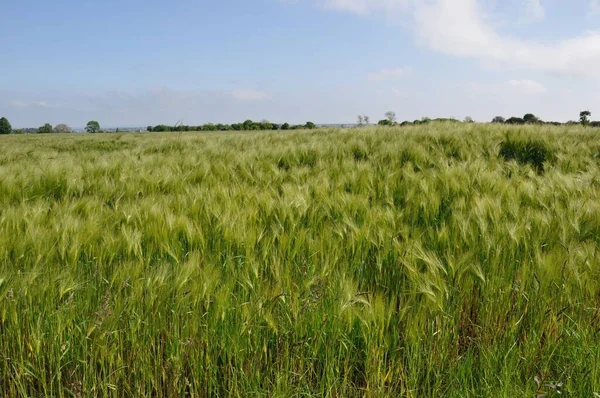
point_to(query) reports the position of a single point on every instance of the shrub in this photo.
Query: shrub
(526, 151)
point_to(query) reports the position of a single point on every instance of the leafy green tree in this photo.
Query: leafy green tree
(469, 119)
(92, 126)
(160, 128)
(62, 128)
(149, 129)
(247, 125)
(584, 117)
(530, 118)
(310, 125)
(285, 126)
(45, 129)
(385, 122)
(498, 119)
(275, 126)
(514, 120)
(5, 127)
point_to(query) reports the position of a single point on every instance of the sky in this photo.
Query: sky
(147, 62)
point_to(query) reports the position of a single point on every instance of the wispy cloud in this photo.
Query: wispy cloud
(249, 95)
(527, 86)
(388, 74)
(534, 10)
(462, 28)
(28, 104)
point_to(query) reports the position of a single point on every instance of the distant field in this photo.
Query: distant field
(395, 262)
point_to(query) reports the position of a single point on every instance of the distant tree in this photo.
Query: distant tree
(149, 128)
(45, 129)
(498, 119)
(385, 122)
(595, 124)
(407, 123)
(425, 120)
(310, 125)
(584, 117)
(469, 119)
(160, 128)
(247, 125)
(360, 120)
(367, 119)
(92, 127)
(62, 128)
(446, 120)
(275, 126)
(5, 127)
(391, 116)
(514, 120)
(19, 131)
(530, 118)
(285, 126)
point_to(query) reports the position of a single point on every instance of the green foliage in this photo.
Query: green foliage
(45, 129)
(499, 120)
(334, 263)
(92, 127)
(310, 125)
(384, 122)
(5, 127)
(531, 119)
(584, 118)
(526, 151)
(514, 120)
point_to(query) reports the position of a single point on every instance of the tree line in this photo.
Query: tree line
(245, 126)
(248, 125)
(529, 118)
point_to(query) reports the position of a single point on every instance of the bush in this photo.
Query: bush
(534, 153)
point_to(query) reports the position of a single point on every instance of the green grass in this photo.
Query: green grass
(411, 262)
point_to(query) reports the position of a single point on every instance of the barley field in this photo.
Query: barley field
(446, 260)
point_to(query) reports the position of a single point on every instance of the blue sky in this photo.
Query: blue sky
(134, 62)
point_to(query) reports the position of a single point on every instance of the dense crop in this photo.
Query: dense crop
(409, 261)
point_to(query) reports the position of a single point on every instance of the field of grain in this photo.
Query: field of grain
(410, 262)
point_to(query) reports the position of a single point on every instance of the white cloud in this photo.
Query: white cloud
(457, 27)
(28, 104)
(388, 74)
(462, 28)
(368, 6)
(249, 95)
(534, 10)
(527, 86)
